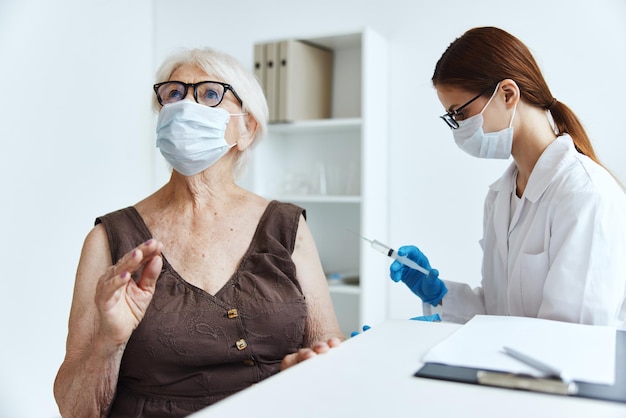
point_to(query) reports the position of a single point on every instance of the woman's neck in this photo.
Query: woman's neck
(211, 188)
(533, 134)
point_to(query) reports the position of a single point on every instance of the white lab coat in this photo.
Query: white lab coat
(561, 255)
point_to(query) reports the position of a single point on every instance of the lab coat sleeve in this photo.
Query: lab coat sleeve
(586, 280)
(460, 304)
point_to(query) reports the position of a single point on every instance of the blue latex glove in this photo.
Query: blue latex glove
(428, 318)
(355, 333)
(431, 289)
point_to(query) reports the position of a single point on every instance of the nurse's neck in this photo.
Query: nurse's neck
(533, 134)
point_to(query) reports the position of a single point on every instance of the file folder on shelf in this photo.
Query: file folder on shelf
(272, 82)
(305, 75)
(266, 72)
(260, 65)
(296, 77)
(615, 392)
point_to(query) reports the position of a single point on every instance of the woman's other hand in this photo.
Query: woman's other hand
(307, 353)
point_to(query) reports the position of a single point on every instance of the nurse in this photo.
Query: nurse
(554, 227)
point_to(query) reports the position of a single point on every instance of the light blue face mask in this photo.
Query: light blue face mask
(190, 136)
(471, 138)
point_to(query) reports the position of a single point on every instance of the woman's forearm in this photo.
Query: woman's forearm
(85, 384)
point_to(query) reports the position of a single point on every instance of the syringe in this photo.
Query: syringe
(390, 252)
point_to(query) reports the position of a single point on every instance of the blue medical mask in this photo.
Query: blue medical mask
(190, 136)
(471, 138)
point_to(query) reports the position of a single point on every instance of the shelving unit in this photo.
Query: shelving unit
(336, 169)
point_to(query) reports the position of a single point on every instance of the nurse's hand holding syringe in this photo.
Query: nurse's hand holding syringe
(412, 267)
(390, 252)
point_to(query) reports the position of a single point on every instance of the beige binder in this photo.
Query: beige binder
(259, 66)
(271, 79)
(305, 81)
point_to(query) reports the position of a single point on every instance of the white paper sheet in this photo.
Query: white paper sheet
(586, 353)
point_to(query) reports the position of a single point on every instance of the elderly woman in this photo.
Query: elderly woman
(203, 288)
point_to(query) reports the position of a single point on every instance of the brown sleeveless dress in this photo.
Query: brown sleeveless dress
(193, 348)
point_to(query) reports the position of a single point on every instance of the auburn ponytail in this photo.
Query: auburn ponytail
(567, 122)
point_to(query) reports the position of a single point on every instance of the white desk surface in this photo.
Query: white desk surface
(371, 375)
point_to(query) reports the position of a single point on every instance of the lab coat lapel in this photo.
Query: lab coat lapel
(502, 207)
(547, 167)
(545, 170)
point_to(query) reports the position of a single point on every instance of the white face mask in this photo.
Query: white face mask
(190, 136)
(469, 136)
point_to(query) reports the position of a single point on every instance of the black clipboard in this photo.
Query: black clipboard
(615, 392)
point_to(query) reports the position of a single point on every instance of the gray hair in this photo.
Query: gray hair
(228, 70)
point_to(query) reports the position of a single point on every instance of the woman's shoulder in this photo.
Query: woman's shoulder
(564, 173)
(286, 206)
(580, 174)
(584, 186)
(283, 213)
(128, 211)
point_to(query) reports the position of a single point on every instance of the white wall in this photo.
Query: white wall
(74, 132)
(72, 153)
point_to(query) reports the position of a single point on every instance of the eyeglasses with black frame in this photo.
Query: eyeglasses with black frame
(208, 93)
(450, 117)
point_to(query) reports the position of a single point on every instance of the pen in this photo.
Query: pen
(536, 364)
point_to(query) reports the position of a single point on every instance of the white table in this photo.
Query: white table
(371, 375)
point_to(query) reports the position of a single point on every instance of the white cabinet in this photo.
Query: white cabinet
(337, 170)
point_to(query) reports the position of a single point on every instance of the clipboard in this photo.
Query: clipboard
(615, 392)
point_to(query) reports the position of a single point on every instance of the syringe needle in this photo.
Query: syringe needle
(390, 252)
(363, 238)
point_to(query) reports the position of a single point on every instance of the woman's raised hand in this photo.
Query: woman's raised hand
(122, 301)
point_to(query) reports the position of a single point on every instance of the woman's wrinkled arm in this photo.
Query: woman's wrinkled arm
(322, 330)
(107, 306)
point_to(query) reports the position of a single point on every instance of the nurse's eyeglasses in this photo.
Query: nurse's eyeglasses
(208, 93)
(450, 117)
